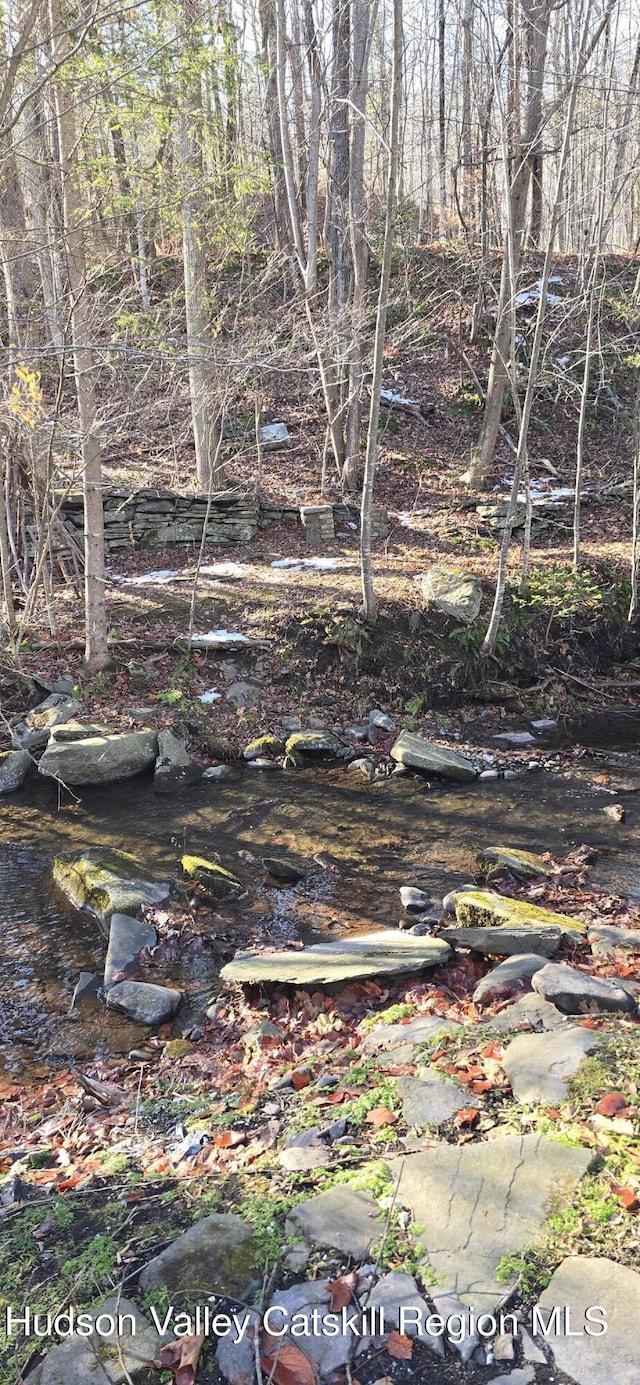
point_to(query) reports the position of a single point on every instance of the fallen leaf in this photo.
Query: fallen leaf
(381, 1115)
(342, 1290)
(468, 1116)
(181, 1358)
(612, 1104)
(229, 1138)
(629, 1198)
(299, 1080)
(399, 1346)
(285, 1364)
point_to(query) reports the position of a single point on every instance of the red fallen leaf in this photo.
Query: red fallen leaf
(482, 1085)
(181, 1358)
(493, 1051)
(381, 1115)
(229, 1138)
(401, 1070)
(10, 1093)
(285, 1364)
(629, 1198)
(469, 1074)
(399, 1346)
(342, 1290)
(299, 1080)
(468, 1116)
(612, 1104)
(589, 1024)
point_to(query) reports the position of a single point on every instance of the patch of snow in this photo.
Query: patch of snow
(150, 578)
(528, 297)
(211, 695)
(227, 569)
(274, 435)
(315, 564)
(388, 397)
(563, 360)
(218, 639)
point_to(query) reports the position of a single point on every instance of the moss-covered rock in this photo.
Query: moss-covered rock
(311, 743)
(525, 865)
(107, 882)
(215, 880)
(483, 909)
(264, 745)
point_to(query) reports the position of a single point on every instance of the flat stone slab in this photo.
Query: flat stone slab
(341, 1218)
(14, 767)
(539, 1066)
(605, 938)
(480, 1202)
(580, 1283)
(505, 941)
(415, 1032)
(214, 1256)
(311, 743)
(100, 759)
(107, 881)
(498, 982)
(175, 770)
(423, 754)
(431, 1100)
(484, 909)
(57, 709)
(523, 864)
(143, 1002)
(387, 953)
(576, 993)
(127, 938)
(96, 1358)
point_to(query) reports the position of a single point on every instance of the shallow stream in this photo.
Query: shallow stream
(359, 841)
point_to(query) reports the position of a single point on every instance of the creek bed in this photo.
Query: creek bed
(361, 842)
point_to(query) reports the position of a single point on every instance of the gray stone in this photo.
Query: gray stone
(398, 1290)
(175, 769)
(218, 773)
(297, 1160)
(54, 711)
(311, 743)
(14, 767)
(242, 694)
(143, 1002)
(523, 864)
(431, 1100)
(100, 759)
(262, 763)
(414, 901)
(515, 737)
(417, 1031)
(496, 984)
(525, 1375)
(480, 1202)
(580, 1283)
(530, 1351)
(539, 1066)
(505, 942)
(214, 1256)
(605, 938)
(105, 1359)
(341, 1218)
(455, 593)
(86, 985)
(107, 881)
(236, 1360)
(381, 720)
(363, 765)
(326, 1352)
(422, 754)
(127, 938)
(576, 993)
(531, 1010)
(371, 954)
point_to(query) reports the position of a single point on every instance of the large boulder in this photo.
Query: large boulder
(214, 1256)
(100, 759)
(385, 953)
(423, 754)
(107, 882)
(455, 593)
(14, 767)
(501, 981)
(144, 1002)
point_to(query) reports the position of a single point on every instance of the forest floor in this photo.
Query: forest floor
(95, 1185)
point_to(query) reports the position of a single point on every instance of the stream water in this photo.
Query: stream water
(360, 843)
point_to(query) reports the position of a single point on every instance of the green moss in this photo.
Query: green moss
(214, 879)
(264, 745)
(393, 1015)
(523, 864)
(483, 909)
